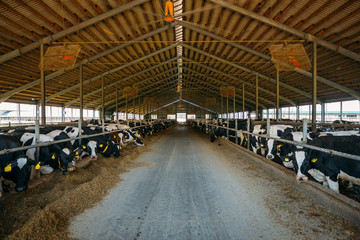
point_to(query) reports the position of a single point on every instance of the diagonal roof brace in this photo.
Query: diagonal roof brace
(242, 81)
(113, 94)
(111, 71)
(94, 20)
(237, 92)
(303, 72)
(125, 79)
(248, 70)
(288, 29)
(8, 94)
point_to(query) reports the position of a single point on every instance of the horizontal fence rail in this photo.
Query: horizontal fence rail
(296, 143)
(44, 144)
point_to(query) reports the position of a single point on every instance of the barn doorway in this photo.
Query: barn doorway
(181, 117)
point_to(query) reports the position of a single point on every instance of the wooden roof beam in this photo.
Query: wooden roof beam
(248, 70)
(125, 79)
(8, 94)
(242, 81)
(110, 72)
(288, 29)
(34, 45)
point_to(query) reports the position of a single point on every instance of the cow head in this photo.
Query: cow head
(20, 170)
(65, 159)
(213, 137)
(91, 146)
(138, 142)
(300, 165)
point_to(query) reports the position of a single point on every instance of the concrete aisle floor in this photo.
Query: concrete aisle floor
(199, 190)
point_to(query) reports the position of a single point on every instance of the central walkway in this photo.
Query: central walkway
(190, 193)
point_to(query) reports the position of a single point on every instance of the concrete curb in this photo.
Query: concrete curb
(334, 202)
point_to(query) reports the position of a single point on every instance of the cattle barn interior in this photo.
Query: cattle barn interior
(203, 63)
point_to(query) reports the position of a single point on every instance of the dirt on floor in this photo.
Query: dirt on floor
(288, 206)
(45, 211)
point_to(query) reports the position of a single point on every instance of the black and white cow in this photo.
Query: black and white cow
(14, 166)
(52, 156)
(87, 146)
(331, 166)
(276, 131)
(129, 136)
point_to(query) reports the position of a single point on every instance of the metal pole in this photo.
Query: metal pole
(222, 109)
(79, 134)
(314, 78)
(139, 111)
(305, 126)
(102, 98)
(243, 100)
(248, 135)
(81, 94)
(126, 111)
(134, 107)
(117, 107)
(341, 110)
(234, 105)
(37, 139)
(63, 113)
(267, 113)
(277, 93)
(268, 126)
(42, 77)
(322, 112)
(227, 110)
(257, 96)
(298, 112)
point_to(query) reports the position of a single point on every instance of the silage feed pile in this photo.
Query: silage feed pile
(46, 211)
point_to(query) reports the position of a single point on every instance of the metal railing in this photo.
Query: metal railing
(43, 144)
(296, 143)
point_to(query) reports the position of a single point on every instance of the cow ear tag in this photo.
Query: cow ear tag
(286, 160)
(84, 147)
(53, 156)
(278, 147)
(7, 168)
(314, 160)
(37, 167)
(100, 145)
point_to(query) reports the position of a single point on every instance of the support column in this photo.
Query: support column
(18, 113)
(102, 98)
(277, 93)
(267, 113)
(63, 113)
(222, 109)
(234, 116)
(126, 110)
(139, 111)
(117, 109)
(81, 94)
(314, 78)
(42, 77)
(341, 110)
(257, 97)
(243, 100)
(227, 116)
(323, 112)
(298, 112)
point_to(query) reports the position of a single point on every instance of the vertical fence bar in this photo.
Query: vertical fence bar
(227, 113)
(277, 93)
(79, 134)
(248, 134)
(43, 90)
(243, 100)
(305, 126)
(37, 139)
